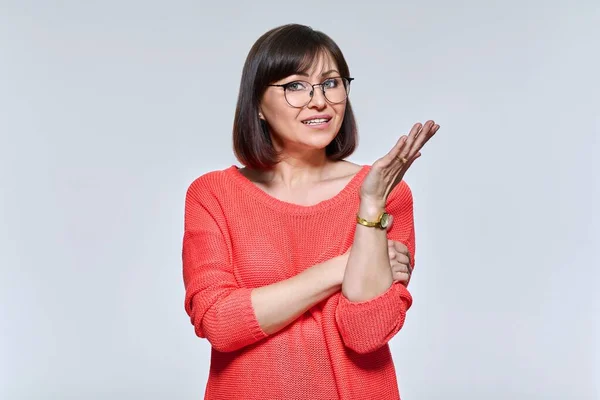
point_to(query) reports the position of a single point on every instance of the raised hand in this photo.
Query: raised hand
(389, 170)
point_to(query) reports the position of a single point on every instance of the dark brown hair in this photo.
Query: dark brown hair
(281, 52)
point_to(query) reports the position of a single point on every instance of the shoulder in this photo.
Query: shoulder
(348, 172)
(205, 199)
(347, 168)
(208, 185)
(402, 189)
(401, 196)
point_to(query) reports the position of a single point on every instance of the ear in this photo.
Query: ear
(260, 112)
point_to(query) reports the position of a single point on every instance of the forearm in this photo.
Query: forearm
(279, 304)
(368, 271)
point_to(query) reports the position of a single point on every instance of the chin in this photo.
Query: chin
(319, 141)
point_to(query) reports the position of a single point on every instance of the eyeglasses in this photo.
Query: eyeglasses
(300, 93)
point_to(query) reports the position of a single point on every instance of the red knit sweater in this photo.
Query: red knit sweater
(237, 237)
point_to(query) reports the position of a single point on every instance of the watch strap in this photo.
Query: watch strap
(370, 224)
(373, 224)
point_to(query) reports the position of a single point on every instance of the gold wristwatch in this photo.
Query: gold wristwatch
(381, 223)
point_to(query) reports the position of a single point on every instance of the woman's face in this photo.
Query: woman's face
(311, 127)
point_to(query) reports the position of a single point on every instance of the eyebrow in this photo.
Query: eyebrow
(323, 74)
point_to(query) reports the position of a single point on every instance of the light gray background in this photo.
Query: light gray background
(108, 110)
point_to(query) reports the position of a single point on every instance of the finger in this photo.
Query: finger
(400, 266)
(414, 132)
(395, 151)
(400, 247)
(423, 137)
(402, 258)
(399, 269)
(410, 162)
(402, 272)
(401, 277)
(419, 140)
(432, 132)
(432, 128)
(392, 254)
(403, 145)
(397, 146)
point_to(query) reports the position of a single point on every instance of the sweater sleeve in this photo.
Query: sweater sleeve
(368, 325)
(219, 309)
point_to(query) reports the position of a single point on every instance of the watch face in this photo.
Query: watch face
(385, 220)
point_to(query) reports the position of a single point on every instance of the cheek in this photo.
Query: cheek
(278, 115)
(283, 121)
(340, 110)
(272, 107)
(284, 117)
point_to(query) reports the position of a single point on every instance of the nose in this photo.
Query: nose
(318, 100)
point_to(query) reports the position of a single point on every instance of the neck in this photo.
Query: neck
(299, 169)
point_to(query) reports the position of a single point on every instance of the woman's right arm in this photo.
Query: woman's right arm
(279, 304)
(229, 316)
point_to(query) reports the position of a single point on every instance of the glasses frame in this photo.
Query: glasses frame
(312, 92)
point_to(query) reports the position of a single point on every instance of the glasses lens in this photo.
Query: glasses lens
(297, 93)
(336, 89)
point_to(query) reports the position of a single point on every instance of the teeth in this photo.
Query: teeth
(316, 121)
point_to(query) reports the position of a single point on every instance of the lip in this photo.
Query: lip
(325, 116)
(322, 126)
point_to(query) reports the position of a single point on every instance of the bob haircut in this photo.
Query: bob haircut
(281, 52)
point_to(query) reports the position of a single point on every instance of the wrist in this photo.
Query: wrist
(371, 209)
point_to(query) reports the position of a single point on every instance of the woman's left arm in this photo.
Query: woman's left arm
(368, 316)
(372, 307)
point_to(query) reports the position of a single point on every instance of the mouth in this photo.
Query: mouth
(319, 120)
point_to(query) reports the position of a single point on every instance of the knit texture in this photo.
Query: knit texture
(237, 237)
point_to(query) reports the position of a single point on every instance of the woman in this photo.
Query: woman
(292, 267)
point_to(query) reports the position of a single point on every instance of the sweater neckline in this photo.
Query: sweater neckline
(260, 195)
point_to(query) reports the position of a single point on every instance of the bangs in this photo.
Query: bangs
(296, 62)
(296, 52)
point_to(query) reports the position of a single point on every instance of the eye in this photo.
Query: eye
(295, 86)
(331, 83)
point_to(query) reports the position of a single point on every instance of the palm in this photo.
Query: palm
(389, 170)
